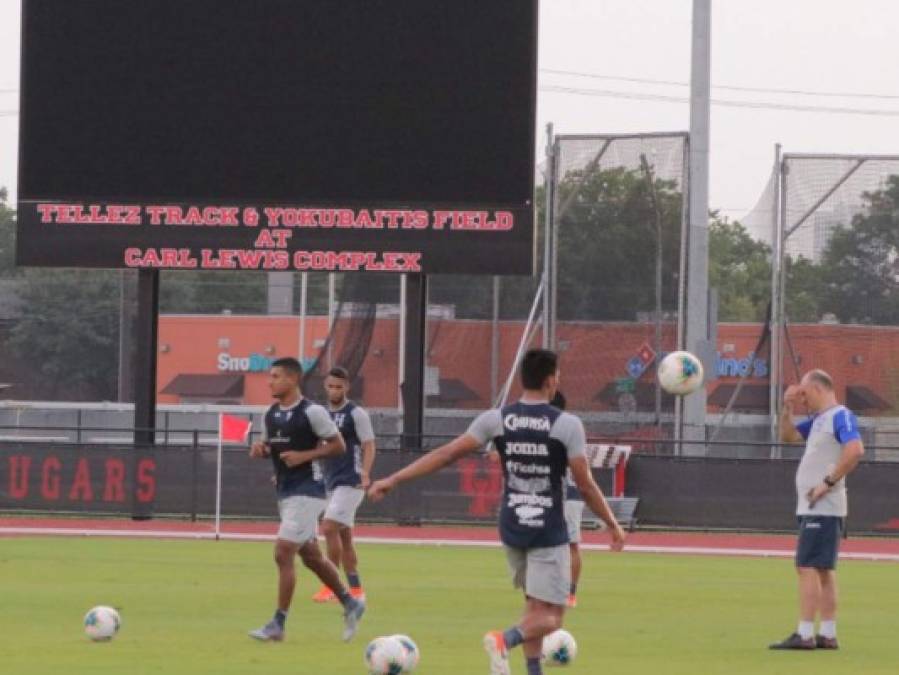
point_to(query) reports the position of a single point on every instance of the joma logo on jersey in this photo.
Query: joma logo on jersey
(532, 449)
(514, 423)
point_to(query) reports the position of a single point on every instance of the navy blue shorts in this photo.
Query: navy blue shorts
(819, 541)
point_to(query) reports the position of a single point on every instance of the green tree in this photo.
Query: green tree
(740, 269)
(68, 332)
(859, 270)
(608, 231)
(62, 338)
(804, 290)
(7, 236)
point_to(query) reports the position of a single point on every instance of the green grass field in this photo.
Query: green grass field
(186, 607)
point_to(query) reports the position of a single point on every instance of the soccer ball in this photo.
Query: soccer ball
(385, 656)
(559, 648)
(102, 623)
(680, 373)
(411, 650)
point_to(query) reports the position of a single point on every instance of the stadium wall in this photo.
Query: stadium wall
(705, 493)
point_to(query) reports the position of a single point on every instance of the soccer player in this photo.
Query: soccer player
(833, 449)
(298, 434)
(536, 444)
(347, 477)
(574, 514)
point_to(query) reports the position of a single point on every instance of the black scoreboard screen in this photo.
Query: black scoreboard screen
(326, 135)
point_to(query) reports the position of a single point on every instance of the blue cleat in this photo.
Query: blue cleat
(352, 615)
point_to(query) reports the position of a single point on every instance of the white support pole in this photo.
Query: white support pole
(548, 189)
(553, 279)
(332, 311)
(494, 340)
(304, 290)
(682, 283)
(697, 328)
(522, 345)
(777, 243)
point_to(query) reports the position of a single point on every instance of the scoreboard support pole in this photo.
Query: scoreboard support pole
(412, 387)
(146, 333)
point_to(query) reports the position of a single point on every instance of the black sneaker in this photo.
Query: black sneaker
(822, 642)
(794, 642)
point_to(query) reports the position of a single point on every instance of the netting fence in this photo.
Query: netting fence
(619, 206)
(836, 281)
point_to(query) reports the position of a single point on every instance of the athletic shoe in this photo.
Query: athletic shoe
(795, 641)
(270, 632)
(324, 594)
(822, 642)
(358, 593)
(572, 602)
(352, 615)
(495, 646)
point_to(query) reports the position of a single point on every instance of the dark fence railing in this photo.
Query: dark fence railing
(45, 475)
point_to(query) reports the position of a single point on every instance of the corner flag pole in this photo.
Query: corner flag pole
(218, 483)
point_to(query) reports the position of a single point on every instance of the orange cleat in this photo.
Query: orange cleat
(324, 594)
(495, 646)
(358, 593)
(572, 602)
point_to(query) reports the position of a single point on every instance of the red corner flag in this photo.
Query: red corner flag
(234, 428)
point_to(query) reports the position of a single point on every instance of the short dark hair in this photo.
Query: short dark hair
(536, 366)
(558, 401)
(289, 365)
(820, 377)
(340, 373)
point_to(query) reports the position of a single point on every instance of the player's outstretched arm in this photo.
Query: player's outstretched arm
(433, 461)
(594, 498)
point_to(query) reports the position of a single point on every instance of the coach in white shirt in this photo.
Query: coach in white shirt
(833, 449)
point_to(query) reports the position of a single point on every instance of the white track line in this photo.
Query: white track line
(410, 541)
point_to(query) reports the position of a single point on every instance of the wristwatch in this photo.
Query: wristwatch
(829, 482)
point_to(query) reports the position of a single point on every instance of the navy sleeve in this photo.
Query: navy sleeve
(845, 427)
(804, 428)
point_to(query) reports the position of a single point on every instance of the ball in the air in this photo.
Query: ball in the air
(102, 623)
(680, 373)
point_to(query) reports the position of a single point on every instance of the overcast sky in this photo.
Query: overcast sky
(816, 46)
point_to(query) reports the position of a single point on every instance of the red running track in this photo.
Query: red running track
(697, 543)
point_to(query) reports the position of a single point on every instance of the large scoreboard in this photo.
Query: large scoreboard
(315, 135)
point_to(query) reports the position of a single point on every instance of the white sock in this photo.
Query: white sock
(806, 630)
(829, 629)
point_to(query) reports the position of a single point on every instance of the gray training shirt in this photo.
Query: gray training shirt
(535, 442)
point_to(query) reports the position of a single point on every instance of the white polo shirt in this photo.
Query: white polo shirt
(825, 435)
